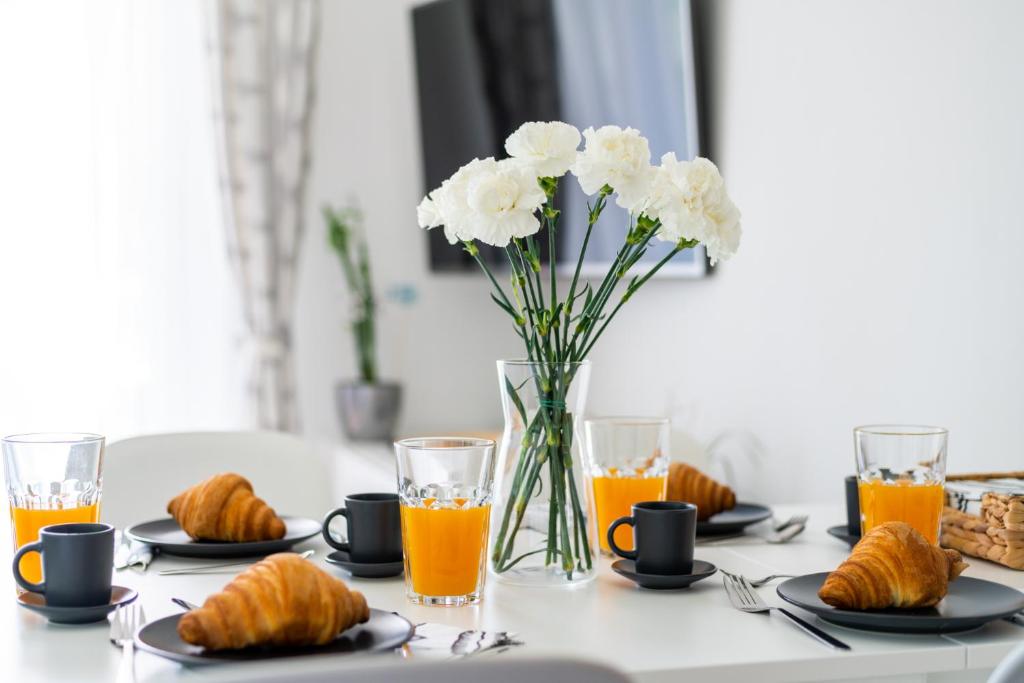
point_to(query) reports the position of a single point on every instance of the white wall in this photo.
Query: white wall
(877, 152)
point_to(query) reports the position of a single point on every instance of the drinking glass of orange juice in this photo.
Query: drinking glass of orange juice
(627, 459)
(901, 471)
(445, 486)
(51, 479)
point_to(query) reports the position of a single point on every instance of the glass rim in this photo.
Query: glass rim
(526, 361)
(53, 438)
(628, 420)
(900, 430)
(434, 443)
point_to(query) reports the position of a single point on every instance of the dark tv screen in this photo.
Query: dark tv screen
(484, 67)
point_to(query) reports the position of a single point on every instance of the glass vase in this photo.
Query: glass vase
(542, 524)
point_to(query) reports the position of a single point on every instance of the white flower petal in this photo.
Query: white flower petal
(690, 200)
(548, 147)
(427, 213)
(618, 158)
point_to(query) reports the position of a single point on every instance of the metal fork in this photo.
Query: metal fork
(743, 597)
(757, 583)
(123, 624)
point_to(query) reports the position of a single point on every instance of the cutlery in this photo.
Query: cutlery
(795, 520)
(785, 536)
(477, 642)
(744, 598)
(757, 583)
(123, 624)
(1017, 618)
(185, 604)
(206, 568)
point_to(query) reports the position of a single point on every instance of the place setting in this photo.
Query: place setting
(222, 518)
(373, 549)
(897, 578)
(76, 562)
(223, 628)
(663, 539)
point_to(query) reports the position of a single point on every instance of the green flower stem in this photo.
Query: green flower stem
(626, 255)
(632, 290)
(521, 467)
(475, 253)
(592, 219)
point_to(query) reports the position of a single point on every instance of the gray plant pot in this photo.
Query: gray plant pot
(368, 412)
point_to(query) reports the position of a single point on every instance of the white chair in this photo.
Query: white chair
(1011, 669)
(142, 473)
(501, 669)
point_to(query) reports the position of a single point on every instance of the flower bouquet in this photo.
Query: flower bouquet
(542, 530)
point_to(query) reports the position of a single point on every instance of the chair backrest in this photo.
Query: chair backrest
(141, 474)
(500, 669)
(1011, 669)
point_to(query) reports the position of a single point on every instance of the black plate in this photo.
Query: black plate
(384, 631)
(840, 531)
(119, 595)
(627, 568)
(365, 570)
(970, 603)
(732, 521)
(166, 536)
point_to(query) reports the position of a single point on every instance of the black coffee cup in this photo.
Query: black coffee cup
(374, 528)
(852, 506)
(664, 533)
(77, 559)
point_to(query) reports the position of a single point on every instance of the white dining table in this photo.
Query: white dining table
(652, 636)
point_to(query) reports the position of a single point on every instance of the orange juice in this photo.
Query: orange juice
(445, 548)
(614, 497)
(902, 500)
(26, 524)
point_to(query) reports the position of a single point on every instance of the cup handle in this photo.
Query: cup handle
(36, 547)
(628, 554)
(326, 529)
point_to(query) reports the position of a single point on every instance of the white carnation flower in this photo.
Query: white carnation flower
(503, 197)
(618, 158)
(548, 147)
(690, 200)
(492, 201)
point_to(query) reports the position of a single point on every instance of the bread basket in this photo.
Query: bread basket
(984, 516)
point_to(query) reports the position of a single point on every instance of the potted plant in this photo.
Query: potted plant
(368, 408)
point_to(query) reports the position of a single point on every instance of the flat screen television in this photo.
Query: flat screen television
(486, 66)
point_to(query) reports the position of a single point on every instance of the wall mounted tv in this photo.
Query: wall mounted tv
(486, 66)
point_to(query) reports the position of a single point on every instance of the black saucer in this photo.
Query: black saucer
(119, 595)
(366, 570)
(841, 532)
(627, 568)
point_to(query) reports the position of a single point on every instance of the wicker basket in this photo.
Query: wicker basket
(997, 533)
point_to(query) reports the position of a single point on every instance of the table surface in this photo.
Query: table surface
(650, 635)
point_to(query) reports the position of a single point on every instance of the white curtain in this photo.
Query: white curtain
(262, 57)
(118, 310)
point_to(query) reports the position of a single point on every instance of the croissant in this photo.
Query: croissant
(892, 566)
(690, 485)
(224, 508)
(282, 600)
